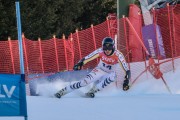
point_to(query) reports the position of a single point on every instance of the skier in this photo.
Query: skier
(104, 73)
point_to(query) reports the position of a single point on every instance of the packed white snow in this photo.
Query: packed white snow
(148, 99)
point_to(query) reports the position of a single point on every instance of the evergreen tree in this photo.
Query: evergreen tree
(8, 25)
(44, 18)
(96, 11)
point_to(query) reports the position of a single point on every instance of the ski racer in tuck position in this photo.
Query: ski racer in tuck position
(104, 73)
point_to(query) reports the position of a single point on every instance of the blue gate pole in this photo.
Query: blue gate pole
(21, 49)
(19, 37)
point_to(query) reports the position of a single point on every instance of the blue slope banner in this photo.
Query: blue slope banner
(12, 95)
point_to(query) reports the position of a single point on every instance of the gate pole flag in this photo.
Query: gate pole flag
(12, 86)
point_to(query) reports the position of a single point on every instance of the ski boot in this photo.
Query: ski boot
(60, 93)
(91, 93)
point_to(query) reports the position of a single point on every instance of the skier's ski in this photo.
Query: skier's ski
(84, 95)
(57, 95)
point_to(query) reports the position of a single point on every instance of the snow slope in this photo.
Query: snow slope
(148, 99)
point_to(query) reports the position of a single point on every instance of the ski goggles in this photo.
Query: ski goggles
(108, 47)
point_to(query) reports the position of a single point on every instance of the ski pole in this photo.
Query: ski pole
(166, 84)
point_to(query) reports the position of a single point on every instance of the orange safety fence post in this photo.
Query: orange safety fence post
(94, 39)
(170, 34)
(72, 49)
(79, 47)
(41, 56)
(109, 32)
(127, 43)
(25, 53)
(56, 53)
(12, 59)
(65, 51)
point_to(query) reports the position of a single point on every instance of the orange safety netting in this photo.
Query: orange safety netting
(54, 55)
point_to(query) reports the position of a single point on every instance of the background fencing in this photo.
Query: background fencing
(54, 55)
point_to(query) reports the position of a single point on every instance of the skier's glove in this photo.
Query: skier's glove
(79, 65)
(126, 81)
(126, 85)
